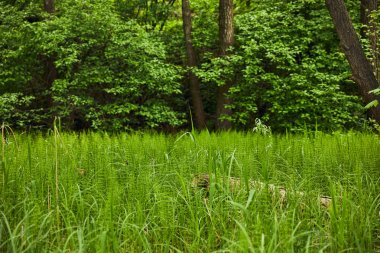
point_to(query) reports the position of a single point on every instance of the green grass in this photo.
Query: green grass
(95, 192)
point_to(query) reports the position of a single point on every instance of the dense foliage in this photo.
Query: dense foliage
(110, 74)
(118, 65)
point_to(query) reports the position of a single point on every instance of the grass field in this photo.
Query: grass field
(96, 192)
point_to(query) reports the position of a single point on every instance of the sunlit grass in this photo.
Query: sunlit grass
(96, 192)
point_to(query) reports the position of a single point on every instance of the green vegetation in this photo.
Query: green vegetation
(121, 65)
(96, 192)
(107, 68)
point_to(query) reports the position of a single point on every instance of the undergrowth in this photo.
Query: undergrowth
(96, 192)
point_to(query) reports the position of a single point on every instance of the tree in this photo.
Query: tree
(191, 61)
(114, 74)
(291, 77)
(362, 71)
(226, 40)
(111, 74)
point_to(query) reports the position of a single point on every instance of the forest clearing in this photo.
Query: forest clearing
(100, 192)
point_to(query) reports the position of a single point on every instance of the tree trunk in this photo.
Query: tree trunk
(49, 6)
(361, 69)
(196, 97)
(226, 39)
(370, 30)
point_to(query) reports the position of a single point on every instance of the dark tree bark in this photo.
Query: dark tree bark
(226, 39)
(370, 30)
(226, 29)
(196, 97)
(49, 6)
(361, 69)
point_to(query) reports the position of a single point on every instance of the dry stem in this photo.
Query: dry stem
(203, 181)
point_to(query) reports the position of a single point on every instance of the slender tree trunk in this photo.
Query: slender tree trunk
(226, 39)
(361, 69)
(196, 97)
(370, 30)
(49, 6)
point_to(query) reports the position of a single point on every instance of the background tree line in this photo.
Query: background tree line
(136, 64)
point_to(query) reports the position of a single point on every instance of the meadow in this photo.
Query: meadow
(101, 192)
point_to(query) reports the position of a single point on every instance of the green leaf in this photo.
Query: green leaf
(373, 103)
(375, 91)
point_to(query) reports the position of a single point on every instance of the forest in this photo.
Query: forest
(189, 126)
(171, 65)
